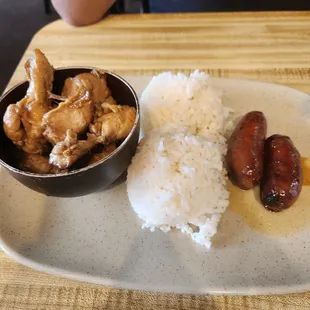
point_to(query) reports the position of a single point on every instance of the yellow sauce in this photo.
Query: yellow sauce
(247, 205)
(305, 162)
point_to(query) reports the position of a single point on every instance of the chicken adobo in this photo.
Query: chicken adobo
(23, 120)
(55, 131)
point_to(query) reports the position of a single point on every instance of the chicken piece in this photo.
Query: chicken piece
(110, 100)
(40, 74)
(114, 126)
(39, 164)
(13, 126)
(93, 82)
(23, 121)
(109, 105)
(75, 114)
(66, 153)
(108, 149)
(90, 86)
(83, 93)
(96, 85)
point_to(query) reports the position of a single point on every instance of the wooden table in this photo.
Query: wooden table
(267, 46)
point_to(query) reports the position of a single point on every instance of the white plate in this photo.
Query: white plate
(97, 238)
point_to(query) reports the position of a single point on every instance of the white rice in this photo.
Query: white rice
(181, 100)
(177, 178)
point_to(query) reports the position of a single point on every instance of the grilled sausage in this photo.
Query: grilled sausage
(245, 150)
(282, 178)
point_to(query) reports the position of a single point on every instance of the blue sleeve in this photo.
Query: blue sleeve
(165, 6)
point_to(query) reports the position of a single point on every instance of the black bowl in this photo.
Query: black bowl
(85, 180)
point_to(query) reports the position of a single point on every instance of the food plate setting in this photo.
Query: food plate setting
(213, 199)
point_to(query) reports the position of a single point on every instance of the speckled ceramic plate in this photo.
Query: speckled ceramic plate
(97, 238)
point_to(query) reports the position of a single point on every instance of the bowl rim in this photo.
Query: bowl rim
(83, 169)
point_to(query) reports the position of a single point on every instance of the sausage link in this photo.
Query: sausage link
(282, 178)
(245, 150)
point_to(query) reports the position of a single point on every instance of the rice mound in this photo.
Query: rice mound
(177, 180)
(181, 100)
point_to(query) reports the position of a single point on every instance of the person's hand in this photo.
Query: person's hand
(82, 12)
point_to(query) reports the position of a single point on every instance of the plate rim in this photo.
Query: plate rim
(82, 277)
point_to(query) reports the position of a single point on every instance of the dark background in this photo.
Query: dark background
(20, 19)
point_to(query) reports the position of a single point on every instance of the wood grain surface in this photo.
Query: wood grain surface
(270, 46)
